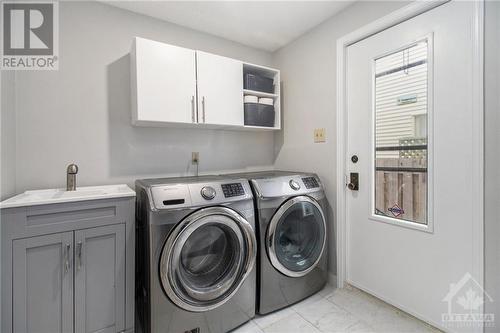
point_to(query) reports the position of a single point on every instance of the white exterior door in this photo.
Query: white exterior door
(412, 142)
(220, 89)
(165, 83)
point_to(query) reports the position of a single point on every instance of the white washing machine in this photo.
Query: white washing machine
(195, 255)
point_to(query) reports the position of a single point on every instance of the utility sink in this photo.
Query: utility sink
(53, 196)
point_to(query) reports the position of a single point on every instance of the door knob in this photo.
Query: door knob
(353, 181)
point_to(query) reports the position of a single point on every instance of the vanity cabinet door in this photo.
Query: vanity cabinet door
(100, 279)
(220, 89)
(163, 83)
(42, 292)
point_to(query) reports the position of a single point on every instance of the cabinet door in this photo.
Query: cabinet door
(220, 89)
(100, 279)
(42, 272)
(164, 83)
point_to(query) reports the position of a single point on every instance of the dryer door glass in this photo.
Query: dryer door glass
(297, 236)
(206, 258)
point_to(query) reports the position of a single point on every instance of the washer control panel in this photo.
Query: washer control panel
(174, 196)
(232, 190)
(208, 192)
(310, 182)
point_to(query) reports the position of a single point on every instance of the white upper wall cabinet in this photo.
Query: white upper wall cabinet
(175, 86)
(220, 89)
(163, 83)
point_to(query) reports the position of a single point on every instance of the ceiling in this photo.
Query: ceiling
(266, 25)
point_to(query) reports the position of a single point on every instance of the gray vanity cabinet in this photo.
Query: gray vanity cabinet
(100, 279)
(43, 283)
(68, 268)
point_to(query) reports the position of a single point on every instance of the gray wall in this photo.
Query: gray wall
(7, 142)
(7, 135)
(81, 113)
(308, 72)
(492, 154)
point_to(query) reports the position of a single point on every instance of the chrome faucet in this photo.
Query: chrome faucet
(71, 172)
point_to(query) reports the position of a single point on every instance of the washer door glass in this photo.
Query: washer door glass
(206, 258)
(209, 260)
(297, 236)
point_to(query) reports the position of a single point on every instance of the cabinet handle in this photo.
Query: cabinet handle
(203, 107)
(66, 258)
(192, 110)
(79, 255)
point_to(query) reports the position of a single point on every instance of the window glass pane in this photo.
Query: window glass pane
(401, 84)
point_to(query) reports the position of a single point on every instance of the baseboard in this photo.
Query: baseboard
(400, 307)
(332, 279)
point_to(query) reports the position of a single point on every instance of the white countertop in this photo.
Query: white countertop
(55, 196)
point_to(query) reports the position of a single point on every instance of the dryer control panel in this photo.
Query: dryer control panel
(310, 182)
(291, 185)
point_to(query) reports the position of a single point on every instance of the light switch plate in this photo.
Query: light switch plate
(319, 135)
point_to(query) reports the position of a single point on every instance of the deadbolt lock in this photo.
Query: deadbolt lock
(353, 182)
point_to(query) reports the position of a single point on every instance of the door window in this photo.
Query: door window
(401, 136)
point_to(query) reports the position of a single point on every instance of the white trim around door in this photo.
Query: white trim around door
(384, 23)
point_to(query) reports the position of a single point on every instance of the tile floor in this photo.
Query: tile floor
(337, 311)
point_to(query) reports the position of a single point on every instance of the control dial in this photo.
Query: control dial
(294, 185)
(208, 192)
